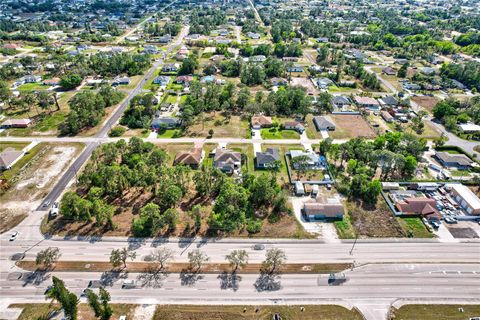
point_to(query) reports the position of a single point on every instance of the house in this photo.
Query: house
(289, 59)
(389, 71)
(465, 197)
(313, 161)
(340, 102)
(150, 49)
(261, 121)
(223, 32)
(322, 40)
(9, 157)
(253, 35)
(184, 79)
(411, 86)
(457, 161)
(367, 103)
(299, 189)
(419, 206)
(469, 127)
(165, 123)
(170, 67)
(227, 160)
(191, 158)
(387, 116)
(278, 82)
(165, 39)
(208, 79)
(388, 101)
(428, 71)
(51, 82)
(294, 125)
(121, 81)
(161, 80)
(323, 209)
(295, 68)
(259, 58)
(324, 123)
(16, 123)
(31, 79)
(324, 83)
(268, 159)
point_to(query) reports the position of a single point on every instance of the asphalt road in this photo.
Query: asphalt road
(372, 282)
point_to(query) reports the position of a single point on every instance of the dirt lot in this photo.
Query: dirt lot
(33, 182)
(374, 222)
(426, 102)
(351, 126)
(304, 82)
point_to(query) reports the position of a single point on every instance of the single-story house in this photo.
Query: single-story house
(31, 79)
(165, 123)
(184, 79)
(290, 59)
(341, 101)
(161, 80)
(387, 116)
(419, 206)
(227, 160)
(389, 71)
(261, 121)
(258, 58)
(295, 69)
(253, 35)
(16, 123)
(388, 101)
(324, 123)
(465, 197)
(469, 127)
(121, 81)
(208, 79)
(165, 39)
(331, 209)
(268, 159)
(367, 102)
(51, 82)
(191, 158)
(429, 71)
(150, 49)
(313, 160)
(411, 86)
(322, 39)
(9, 157)
(324, 83)
(170, 67)
(294, 125)
(457, 161)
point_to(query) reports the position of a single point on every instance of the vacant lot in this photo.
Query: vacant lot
(222, 127)
(351, 126)
(426, 102)
(304, 82)
(434, 312)
(33, 180)
(414, 227)
(173, 148)
(311, 312)
(275, 133)
(374, 222)
(41, 310)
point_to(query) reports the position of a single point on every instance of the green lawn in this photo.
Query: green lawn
(434, 312)
(32, 86)
(170, 99)
(14, 145)
(414, 227)
(247, 150)
(170, 133)
(275, 133)
(344, 228)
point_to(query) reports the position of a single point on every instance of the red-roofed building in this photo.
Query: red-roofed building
(419, 206)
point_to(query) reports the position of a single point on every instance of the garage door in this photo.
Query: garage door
(464, 204)
(469, 210)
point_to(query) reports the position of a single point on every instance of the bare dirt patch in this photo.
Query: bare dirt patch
(351, 126)
(33, 182)
(305, 83)
(426, 102)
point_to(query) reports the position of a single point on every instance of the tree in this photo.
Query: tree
(5, 93)
(67, 300)
(120, 256)
(274, 260)
(188, 66)
(100, 306)
(162, 256)
(402, 72)
(237, 259)
(71, 81)
(210, 133)
(196, 259)
(230, 207)
(47, 257)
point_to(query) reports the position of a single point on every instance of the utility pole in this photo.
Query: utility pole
(353, 246)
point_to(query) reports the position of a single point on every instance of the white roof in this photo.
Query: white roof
(469, 127)
(470, 198)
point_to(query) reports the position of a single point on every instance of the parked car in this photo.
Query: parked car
(14, 235)
(259, 246)
(450, 220)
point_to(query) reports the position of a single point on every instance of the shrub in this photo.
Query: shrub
(254, 226)
(117, 131)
